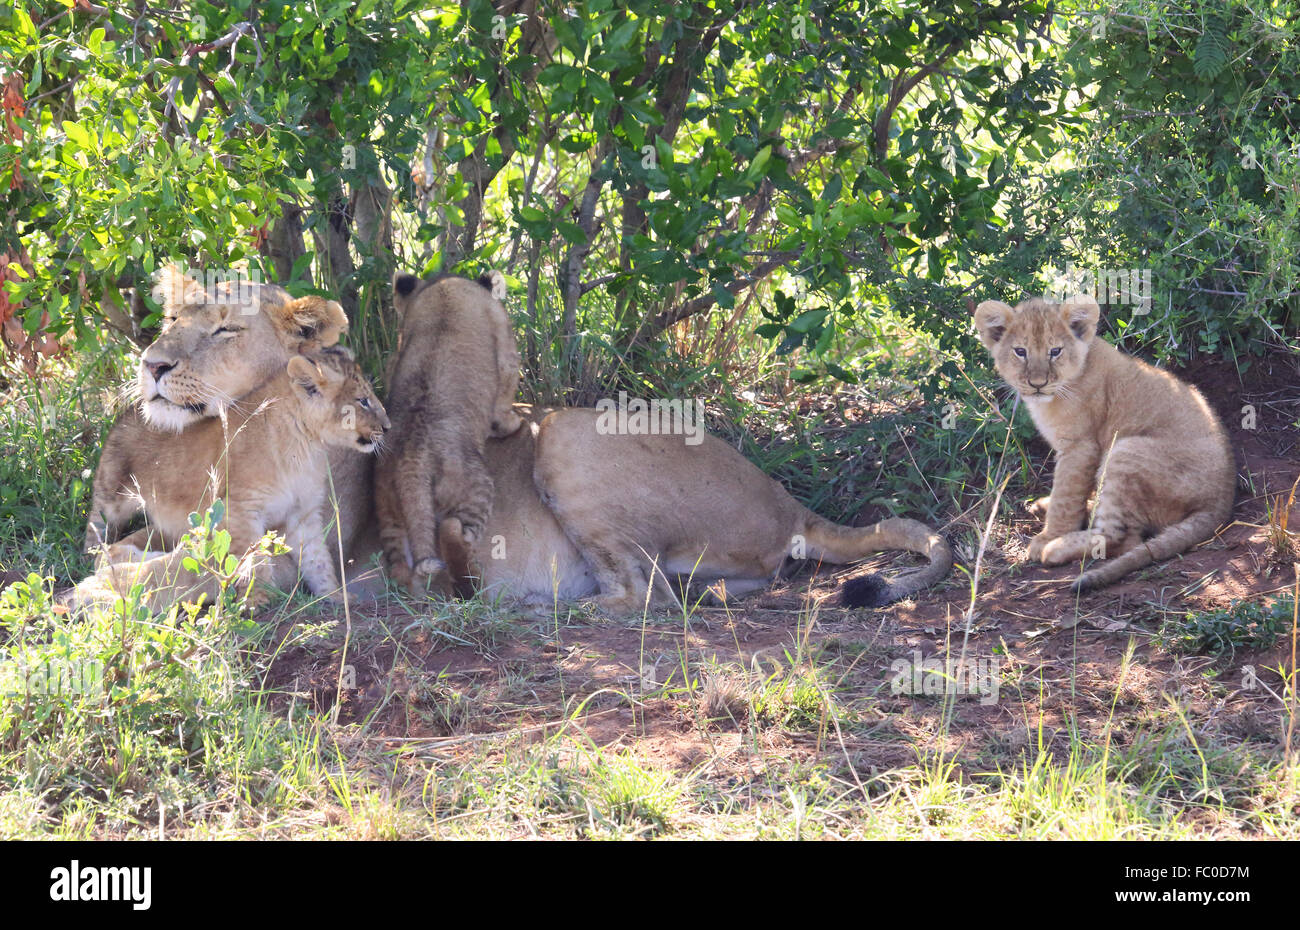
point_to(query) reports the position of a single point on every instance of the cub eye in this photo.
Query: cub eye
(228, 330)
(1055, 352)
(363, 403)
(1020, 352)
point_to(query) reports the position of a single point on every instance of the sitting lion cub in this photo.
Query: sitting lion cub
(267, 462)
(450, 387)
(1148, 443)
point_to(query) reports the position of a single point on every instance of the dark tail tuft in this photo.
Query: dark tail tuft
(865, 591)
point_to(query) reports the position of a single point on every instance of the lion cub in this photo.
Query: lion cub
(267, 462)
(450, 387)
(1147, 442)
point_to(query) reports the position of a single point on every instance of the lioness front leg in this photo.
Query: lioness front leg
(1076, 470)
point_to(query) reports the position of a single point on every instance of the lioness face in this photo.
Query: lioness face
(221, 343)
(1038, 346)
(337, 401)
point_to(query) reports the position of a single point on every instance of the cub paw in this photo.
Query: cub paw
(1037, 545)
(505, 425)
(121, 552)
(258, 599)
(401, 574)
(1039, 507)
(1060, 551)
(429, 566)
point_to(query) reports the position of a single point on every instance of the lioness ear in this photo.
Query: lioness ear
(991, 318)
(175, 289)
(1081, 314)
(310, 322)
(306, 375)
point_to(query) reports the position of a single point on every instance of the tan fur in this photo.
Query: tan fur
(217, 346)
(450, 389)
(266, 461)
(1147, 442)
(577, 511)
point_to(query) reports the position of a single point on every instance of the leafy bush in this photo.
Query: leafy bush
(1249, 625)
(1189, 165)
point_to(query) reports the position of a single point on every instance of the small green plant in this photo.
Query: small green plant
(794, 701)
(623, 796)
(208, 552)
(1249, 625)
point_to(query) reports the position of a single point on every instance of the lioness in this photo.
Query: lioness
(217, 346)
(1149, 443)
(265, 458)
(644, 495)
(450, 387)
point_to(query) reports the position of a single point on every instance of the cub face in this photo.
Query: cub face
(1038, 346)
(337, 401)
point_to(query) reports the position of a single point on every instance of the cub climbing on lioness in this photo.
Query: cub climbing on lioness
(266, 458)
(1146, 442)
(450, 388)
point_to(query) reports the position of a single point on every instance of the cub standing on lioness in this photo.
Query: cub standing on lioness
(1148, 442)
(450, 388)
(266, 459)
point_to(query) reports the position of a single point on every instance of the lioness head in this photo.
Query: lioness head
(1038, 345)
(218, 344)
(336, 399)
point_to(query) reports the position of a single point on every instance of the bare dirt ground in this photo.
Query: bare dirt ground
(678, 690)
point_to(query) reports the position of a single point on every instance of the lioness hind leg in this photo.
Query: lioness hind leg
(726, 590)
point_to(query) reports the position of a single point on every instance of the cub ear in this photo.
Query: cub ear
(405, 284)
(1081, 313)
(991, 318)
(174, 289)
(305, 375)
(404, 288)
(494, 282)
(310, 322)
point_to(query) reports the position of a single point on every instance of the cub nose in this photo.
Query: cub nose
(158, 369)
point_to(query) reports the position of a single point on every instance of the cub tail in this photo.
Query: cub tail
(1169, 542)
